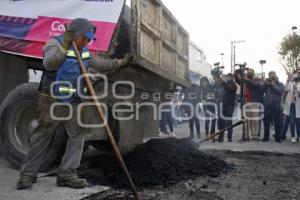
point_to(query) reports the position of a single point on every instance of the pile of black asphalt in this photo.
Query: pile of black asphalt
(162, 162)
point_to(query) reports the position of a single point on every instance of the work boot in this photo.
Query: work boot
(71, 180)
(25, 182)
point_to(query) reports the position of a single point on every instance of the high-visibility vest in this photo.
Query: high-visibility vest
(67, 76)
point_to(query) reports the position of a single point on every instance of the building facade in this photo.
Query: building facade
(198, 66)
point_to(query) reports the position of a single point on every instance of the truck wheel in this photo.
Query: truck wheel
(17, 120)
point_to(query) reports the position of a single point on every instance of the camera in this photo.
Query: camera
(262, 62)
(269, 80)
(296, 76)
(240, 73)
(217, 71)
(242, 68)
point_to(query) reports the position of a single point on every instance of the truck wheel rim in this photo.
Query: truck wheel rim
(22, 122)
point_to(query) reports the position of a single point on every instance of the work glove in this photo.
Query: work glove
(68, 38)
(128, 58)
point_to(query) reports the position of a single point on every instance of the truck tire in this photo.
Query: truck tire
(17, 119)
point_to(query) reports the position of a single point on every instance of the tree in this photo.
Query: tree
(289, 52)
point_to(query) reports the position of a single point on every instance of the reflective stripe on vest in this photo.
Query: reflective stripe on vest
(69, 90)
(84, 55)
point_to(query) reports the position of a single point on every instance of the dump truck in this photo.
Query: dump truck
(145, 28)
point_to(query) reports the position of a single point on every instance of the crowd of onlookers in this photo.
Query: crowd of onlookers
(262, 103)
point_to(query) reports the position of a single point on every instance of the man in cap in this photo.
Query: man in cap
(273, 90)
(61, 65)
(226, 94)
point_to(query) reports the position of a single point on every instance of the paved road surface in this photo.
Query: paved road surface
(285, 147)
(46, 188)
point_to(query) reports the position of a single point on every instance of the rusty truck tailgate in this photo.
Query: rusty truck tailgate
(160, 42)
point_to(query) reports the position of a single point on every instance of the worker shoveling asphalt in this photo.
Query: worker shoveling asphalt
(65, 59)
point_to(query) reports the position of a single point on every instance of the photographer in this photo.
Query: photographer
(226, 92)
(192, 97)
(290, 101)
(208, 99)
(253, 96)
(273, 90)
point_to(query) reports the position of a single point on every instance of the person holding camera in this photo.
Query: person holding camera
(208, 101)
(291, 106)
(253, 97)
(192, 98)
(226, 97)
(273, 90)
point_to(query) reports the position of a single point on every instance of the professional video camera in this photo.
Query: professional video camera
(217, 71)
(242, 69)
(240, 73)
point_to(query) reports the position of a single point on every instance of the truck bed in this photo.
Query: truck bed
(147, 29)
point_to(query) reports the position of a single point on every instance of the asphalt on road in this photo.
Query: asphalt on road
(47, 189)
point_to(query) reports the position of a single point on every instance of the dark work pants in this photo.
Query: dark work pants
(210, 119)
(166, 119)
(42, 136)
(194, 120)
(272, 113)
(212, 123)
(225, 121)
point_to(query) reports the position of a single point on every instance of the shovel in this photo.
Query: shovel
(212, 136)
(103, 118)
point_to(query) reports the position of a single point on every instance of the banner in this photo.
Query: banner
(25, 25)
